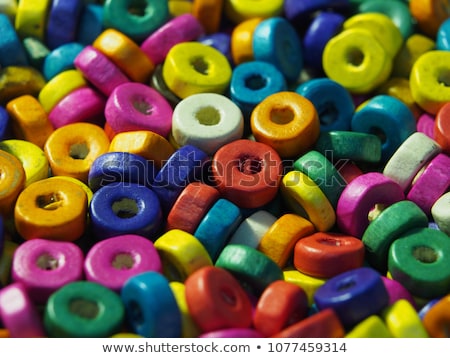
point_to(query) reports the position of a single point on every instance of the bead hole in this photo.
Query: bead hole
(208, 116)
(50, 201)
(200, 65)
(444, 77)
(255, 82)
(282, 115)
(346, 284)
(327, 113)
(249, 164)
(375, 211)
(137, 7)
(425, 254)
(79, 151)
(125, 208)
(355, 57)
(123, 261)
(47, 262)
(84, 308)
(228, 296)
(379, 133)
(142, 106)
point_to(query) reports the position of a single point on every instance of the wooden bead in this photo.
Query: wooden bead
(238, 11)
(11, 44)
(436, 318)
(51, 209)
(16, 81)
(308, 283)
(189, 328)
(30, 19)
(370, 327)
(12, 182)
(442, 128)
(6, 257)
(90, 24)
(61, 59)
(403, 320)
(242, 40)
(208, 13)
(397, 291)
(429, 14)
(441, 213)
(233, 333)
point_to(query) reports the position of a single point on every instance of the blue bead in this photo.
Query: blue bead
(217, 226)
(5, 129)
(125, 208)
(276, 41)
(221, 41)
(253, 81)
(91, 24)
(150, 306)
(333, 103)
(62, 22)
(12, 52)
(324, 26)
(423, 311)
(61, 59)
(113, 167)
(387, 117)
(184, 166)
(354, 295)
(443, 36)
(296, 10)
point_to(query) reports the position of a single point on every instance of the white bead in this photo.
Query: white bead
(252, 229)
(441, 213)
(411, 156)
(207, 121)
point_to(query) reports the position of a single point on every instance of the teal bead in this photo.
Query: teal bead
(390, 224)
(419, 261)
(83, 309)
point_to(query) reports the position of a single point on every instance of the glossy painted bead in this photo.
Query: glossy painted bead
(192, 67)
(207, 121)
(436, 319)
(327, 254)
(83, 309)
(183, 28)
(257, 276)
(31, 18)
(44, 266)
(90, 24)
(348, 295)
(189, 328)
(431, 183)
(85, 104)
(441, 130)
(123, 16)
(305, 198)
(61, 59)
(392, 222)
(12, 182)
(181, 254)
(247, 173)
(276, 41)
(10, 44)
(125, 54)
(62, 22)
(151, 308)
(370, 327)
(112, 261)
(280, 305)
(72, 149)
(238, 11)
(52, 210)
(216, 300)
(429, 87)
(208, 13)
(403, 320)
(16, 81)
(287, 122)
(387, 117)
(417, 260)
(242, 40)
(18, 313)
(429, 14)
(441, 213)
(125, 208)
(99, 70)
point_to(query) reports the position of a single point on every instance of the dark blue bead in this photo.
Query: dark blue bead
(5, 129)
(299, 11)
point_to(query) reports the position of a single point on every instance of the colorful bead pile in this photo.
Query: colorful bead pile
(225, 168)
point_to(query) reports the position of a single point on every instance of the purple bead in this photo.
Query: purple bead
(397, 291)
(296, 11)
(221, 41)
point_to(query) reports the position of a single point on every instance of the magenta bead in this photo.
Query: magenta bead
(425, 125)
(233, 333)
(99, 70)
(134, 106)
(180, 29)
(18, 313)
(111, 262)
(397, 291)
(82, 105)
(360, 196)
(43, 266)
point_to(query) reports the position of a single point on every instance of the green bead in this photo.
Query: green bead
(251, 267)
(393, 222)
(36, 52)
(347, 145)
(322, 172)
(419, 260)
(83, 309)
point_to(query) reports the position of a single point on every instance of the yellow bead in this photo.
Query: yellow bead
(12, 182)
(356, 60)
(31, 18)
(180, 7)
(189, 328)
(126, 335)
(60, 86)
(6, 258)
(430, 80)
(241, 10)
(32, 157)
(192, 67)
(306, 199)
(403, 321)
(309, 284)
(371, 327)
(9, 8)
(16, 81)
(181, 254)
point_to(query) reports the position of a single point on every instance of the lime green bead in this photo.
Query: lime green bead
(403, 321)
(36, 51)
(371, 327)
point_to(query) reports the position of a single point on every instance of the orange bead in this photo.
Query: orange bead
(242, 40)
(4, 333)
(442, 128)
(29, 120)
(286, 121)
(437, 319)
(208, 13)
(125, 54)
(429, 14)
(72, 149)
(12, 181)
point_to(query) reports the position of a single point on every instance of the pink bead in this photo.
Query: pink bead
(82, 105)
(425, 125)
(99, 70)
(113, 261)
(431, 184)
(182, 28)
(18, 313)
(44, 266)
(134, 106)
(233, 333)
(360, 196)
(397, 291)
